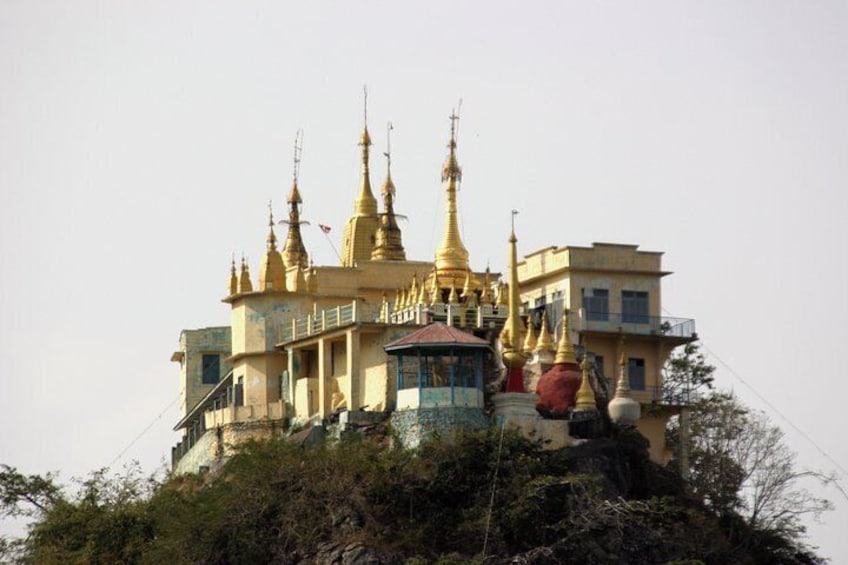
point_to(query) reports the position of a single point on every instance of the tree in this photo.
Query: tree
(26, 495)
(687, 374)
(741, 465)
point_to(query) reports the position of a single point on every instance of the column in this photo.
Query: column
(354, 370)
(325, 384)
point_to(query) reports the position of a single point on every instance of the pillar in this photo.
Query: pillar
(353, 370)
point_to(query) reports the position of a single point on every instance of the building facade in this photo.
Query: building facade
(310, 345)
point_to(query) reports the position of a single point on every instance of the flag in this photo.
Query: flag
(324, 228)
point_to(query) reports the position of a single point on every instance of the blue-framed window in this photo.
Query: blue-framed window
(634, 306)
(596, 304)
(211, 369)
(636, 373)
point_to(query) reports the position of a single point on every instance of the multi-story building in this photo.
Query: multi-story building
(310, 344)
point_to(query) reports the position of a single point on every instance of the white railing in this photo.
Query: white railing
(319, 322)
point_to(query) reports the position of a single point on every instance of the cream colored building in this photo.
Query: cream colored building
(306, 343)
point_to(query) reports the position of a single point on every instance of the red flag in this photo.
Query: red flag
(325, 229)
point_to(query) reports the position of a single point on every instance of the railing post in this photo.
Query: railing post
(309, 324)
(294, 328)
(323, 320)
(353, 313)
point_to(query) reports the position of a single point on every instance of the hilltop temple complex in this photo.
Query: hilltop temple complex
(569, 343)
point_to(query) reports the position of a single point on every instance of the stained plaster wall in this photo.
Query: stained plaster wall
(193, 345)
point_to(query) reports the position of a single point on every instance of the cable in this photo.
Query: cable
(144, 431)
(774, 409)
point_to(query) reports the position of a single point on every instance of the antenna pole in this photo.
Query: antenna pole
(365, 104)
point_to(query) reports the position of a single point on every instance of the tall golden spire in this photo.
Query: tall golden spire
(388, 245)
(565, 349)
(451, 256)
(510, 336)
(365, 204)
(360, 231)
(272, 272)
(294, 253)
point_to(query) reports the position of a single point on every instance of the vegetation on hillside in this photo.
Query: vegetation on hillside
(488, 497)
(603, 502)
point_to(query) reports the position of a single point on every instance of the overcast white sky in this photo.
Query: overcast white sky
(141, 142)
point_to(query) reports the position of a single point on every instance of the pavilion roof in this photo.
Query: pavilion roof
(438, 336)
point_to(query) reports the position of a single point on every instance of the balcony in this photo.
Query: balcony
(637, 324)
(319, 322)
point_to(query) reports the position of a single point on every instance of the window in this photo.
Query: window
(634, 306)
(238, 392)
(636, 373)
(211, 369)
(596, 304)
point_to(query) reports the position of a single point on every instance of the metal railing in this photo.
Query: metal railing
(637, 324)
(321, 321)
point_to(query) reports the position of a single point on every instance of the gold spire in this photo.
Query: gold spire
(435, 291)
(486, 296)
(388, 244)
(413, 290)
(294, 253)
(365, 204)
(361, 229)
(513, 358)
(398, 300)
(272, 271)
(452, 297)
(468, 291)
(585, 397)
(384, 310)
(511, 334)
(451, 256)
(545, 342)
(565, 350)
(271, 241)
(244, 280)
(233, 277)
(530, 339)
(503, 296)
(622, 388)
(422, 293)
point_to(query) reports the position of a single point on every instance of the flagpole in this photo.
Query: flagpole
(326, 230)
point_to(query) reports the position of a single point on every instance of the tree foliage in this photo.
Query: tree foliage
(740, 463)
(687, 374)
(275, 502)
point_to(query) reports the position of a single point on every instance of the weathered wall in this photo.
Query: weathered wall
(193, 345)
(411, 427)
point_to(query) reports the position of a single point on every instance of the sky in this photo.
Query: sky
(140, 144)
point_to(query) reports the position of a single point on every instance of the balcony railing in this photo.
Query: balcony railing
(637, 324)
(657, 395)
(318, 322)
